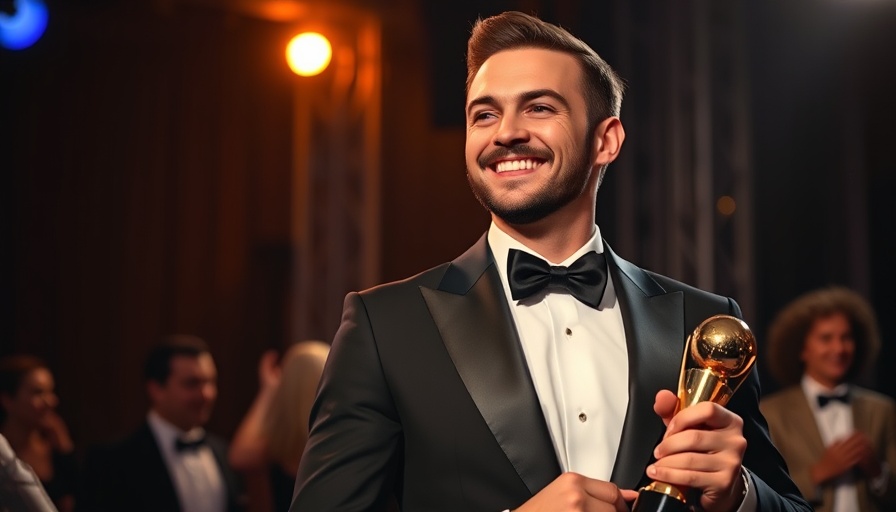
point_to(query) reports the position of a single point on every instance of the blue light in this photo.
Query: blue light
(25, 27)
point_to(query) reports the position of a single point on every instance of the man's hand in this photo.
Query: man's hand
(843, 455)
(868, 463)
(572, 492)
(703, 448)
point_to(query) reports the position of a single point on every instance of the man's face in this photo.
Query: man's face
(528, 149)
(34, 400)
(187, 397)
(829, 349)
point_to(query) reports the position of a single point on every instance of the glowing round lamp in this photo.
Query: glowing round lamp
(308, 54)
(25, 27)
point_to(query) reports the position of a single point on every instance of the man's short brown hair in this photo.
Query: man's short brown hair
(513, 30)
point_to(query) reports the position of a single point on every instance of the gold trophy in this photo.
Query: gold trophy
(717, 359)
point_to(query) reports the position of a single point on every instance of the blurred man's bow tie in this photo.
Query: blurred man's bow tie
(585, 279)
(181, 445)
(824, 400)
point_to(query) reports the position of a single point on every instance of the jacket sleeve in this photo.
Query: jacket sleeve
(352, 456)
(774, 487)
(775, 490)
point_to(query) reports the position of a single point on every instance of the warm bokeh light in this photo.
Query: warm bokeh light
(308, 54)
(726, 205)
(24, 28)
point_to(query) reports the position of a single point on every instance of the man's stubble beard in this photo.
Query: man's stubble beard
(546, 200)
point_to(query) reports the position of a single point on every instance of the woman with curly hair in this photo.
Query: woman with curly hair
(838, 439)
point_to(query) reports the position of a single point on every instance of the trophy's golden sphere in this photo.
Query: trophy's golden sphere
(725, 345)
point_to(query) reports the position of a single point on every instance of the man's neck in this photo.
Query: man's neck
(827, 384)
(170, 423)
(556, 237)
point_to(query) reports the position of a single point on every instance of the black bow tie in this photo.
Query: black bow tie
(182, 446)
(585, 279)
(825, 400)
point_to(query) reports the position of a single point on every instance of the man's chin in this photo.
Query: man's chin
(523, 215)
(201, 419)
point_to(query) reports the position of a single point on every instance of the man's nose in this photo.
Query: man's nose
(511, 131)
(841, 345)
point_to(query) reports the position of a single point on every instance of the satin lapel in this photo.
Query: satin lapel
(156, 481)
(803, 419)
(219, 451)
(477, 329)
(654, 333)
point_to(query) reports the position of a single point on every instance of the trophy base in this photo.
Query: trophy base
(654, 501)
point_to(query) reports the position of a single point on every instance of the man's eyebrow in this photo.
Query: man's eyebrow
(540, 93)
(482, 100)
(522, 98)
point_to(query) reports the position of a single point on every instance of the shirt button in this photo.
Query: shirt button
(583, 417)
(568, 331)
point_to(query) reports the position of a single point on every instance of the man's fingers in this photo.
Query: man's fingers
(705, 415)
(629, 494)
(572, 491)
(699, 462)
(701, 441)
(602, 491)
(665, 404)
(704, 474)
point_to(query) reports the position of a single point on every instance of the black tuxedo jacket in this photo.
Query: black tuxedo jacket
(131, 475)
(426, 395)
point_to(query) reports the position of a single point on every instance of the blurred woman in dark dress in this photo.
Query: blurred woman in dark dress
(37, 435)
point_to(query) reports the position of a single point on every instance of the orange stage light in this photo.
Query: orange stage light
(308, 54)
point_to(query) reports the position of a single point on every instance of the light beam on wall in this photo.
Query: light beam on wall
(308, 54)
(22, 29)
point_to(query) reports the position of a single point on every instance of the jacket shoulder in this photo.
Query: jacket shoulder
(782, 398)
(428, 278)
(873, 397)
(698, 302)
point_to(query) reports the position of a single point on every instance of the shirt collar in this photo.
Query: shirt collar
(812, 388)
(501, 243)
(167, 433)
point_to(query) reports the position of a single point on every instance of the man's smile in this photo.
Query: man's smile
(522, 164)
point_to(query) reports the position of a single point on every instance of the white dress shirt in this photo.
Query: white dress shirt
(578, 360)
(834, 422)
(196, 476)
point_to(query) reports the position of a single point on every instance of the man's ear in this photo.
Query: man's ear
(154, 390)
(608, 138)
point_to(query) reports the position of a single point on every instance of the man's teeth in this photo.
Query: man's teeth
(515, 165)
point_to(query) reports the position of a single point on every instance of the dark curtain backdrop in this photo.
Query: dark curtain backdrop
(147, 151)
(825, 173)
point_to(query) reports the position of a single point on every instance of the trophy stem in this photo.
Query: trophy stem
(703, 385)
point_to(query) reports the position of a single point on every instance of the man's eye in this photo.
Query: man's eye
(541, 109)
(481, 116)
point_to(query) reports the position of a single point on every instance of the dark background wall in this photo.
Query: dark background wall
(145, 148)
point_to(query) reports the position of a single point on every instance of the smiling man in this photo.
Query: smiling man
(533, 371)
(170, 463)
(839, 439)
